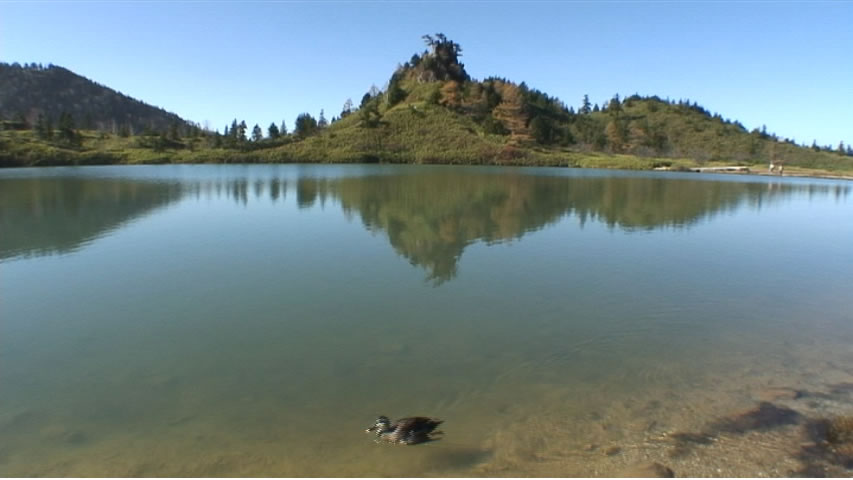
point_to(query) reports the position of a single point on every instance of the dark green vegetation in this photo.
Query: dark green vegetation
(432, 111)
(50, 98)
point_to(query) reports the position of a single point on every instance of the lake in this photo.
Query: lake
(254, 320)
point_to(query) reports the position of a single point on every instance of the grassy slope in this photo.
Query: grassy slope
(416, 132)
(703, 138)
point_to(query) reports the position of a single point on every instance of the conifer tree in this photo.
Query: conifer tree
(395, 93)
(40, 127)
(615, 106)
(48, 127)
(347, 108)
(66, 127)
(241, 131)
(273, 131)
(586, 107)
(174, 134)
(257, 133)
(305, 125)
(369, 114)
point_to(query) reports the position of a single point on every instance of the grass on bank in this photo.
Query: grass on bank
(414, 133)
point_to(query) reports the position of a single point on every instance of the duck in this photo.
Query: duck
(406, 431)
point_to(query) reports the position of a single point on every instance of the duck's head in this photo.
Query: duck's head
(382, 425)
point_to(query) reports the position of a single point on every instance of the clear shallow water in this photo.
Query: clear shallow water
(253, 320)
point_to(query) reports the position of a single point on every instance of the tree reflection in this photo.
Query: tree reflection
(41, 216)
(431, 218)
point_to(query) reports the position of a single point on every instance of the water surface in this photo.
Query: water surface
(253, 320)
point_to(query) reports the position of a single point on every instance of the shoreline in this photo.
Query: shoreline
(720, 170)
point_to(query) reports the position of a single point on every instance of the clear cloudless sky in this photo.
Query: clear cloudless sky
(787, 65)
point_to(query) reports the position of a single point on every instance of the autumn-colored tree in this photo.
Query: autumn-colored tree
(510, 111)
(451, 95)
(616, 134)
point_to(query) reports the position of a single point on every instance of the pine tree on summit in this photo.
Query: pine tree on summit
(442, 62)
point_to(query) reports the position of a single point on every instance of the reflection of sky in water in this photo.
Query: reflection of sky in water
(233, 337)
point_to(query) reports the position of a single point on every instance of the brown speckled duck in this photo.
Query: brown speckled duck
(405, 431)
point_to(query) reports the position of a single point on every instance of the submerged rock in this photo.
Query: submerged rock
(775, 394)
(839, 430)
(766, 416)
(829, 453)
(75, 437)
(614, 450)
(647, 470)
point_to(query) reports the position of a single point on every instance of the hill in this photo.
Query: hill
(432, 111)
(30, 91)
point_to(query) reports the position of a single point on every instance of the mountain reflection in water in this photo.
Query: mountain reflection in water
(429, 216)
(56, 215)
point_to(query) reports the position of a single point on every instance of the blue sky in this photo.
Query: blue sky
(784, 64)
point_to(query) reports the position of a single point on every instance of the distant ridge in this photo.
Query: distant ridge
(30, 90)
